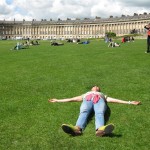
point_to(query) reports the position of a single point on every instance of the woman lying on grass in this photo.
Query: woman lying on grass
(92, 100)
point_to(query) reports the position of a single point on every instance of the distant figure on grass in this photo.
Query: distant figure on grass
(20, 46)
(106, 39)
(56, 44)
(84, 42)
(113, 44)
(132, 39)
(147, 27)
(92, 100)
(35, 43)
(123, 40)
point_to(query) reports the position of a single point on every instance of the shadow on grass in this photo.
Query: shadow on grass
(107, 114)
(113, 135)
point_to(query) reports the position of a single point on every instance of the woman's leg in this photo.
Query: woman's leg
(148, 44)
(100, 108)
(85, 110)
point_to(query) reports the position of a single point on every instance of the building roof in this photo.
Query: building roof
(111, 19)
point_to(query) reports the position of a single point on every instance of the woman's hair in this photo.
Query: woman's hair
(99, 89)
(90, 87)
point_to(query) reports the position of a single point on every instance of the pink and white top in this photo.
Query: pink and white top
(93, 96)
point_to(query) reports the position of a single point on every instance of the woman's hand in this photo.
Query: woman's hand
(135, 102)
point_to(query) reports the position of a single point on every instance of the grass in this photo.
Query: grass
(29, 77)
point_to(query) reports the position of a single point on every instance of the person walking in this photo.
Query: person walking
(92, 100)
(147, 27)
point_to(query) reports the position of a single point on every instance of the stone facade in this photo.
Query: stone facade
(77, 28)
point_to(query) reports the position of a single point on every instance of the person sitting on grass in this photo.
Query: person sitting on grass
(113, 44)
(92, 100)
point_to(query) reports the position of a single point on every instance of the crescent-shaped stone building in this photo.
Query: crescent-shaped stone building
(73, 28)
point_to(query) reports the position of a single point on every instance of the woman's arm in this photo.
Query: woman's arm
(147, 27)
(74, 99)
(114, 100)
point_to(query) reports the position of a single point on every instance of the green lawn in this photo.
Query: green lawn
(29, 77)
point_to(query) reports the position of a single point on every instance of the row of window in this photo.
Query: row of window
(97, 32)
(119, 28)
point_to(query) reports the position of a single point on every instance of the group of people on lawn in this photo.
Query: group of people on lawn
(25, 45)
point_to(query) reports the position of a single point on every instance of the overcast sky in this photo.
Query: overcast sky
(54, 9)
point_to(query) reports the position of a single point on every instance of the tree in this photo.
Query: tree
(111, 34)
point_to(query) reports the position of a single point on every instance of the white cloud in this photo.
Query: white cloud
(101, 7)
(46, 9)
(5, 9)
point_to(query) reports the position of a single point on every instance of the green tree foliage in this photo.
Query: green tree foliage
(111, 34)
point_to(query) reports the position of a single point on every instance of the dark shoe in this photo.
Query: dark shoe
(72, 130)
(105, 130)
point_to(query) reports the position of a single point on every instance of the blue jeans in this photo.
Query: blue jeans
(85, 110)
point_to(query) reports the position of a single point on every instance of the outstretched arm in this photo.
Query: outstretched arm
(74, 99)
(147, 27)
(114, 100)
